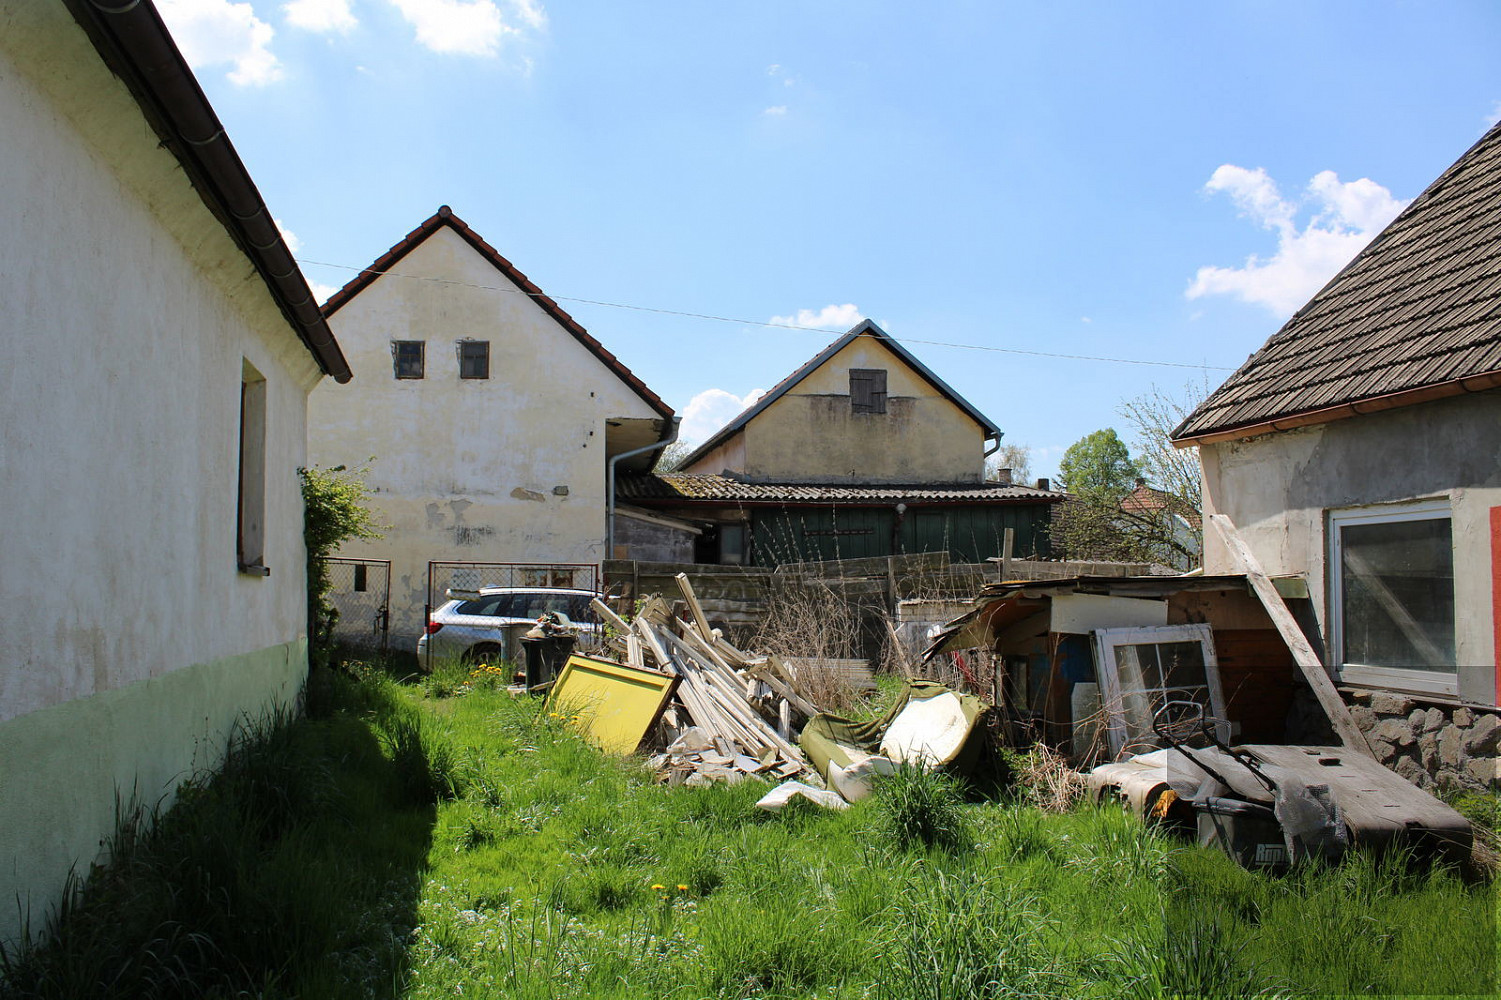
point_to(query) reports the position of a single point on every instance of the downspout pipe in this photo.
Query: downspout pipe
(610, 486)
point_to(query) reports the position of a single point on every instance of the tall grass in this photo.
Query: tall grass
(539, 867)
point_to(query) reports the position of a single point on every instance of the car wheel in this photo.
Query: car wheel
(483, 652)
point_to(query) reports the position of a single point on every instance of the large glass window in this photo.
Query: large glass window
(1391, 595)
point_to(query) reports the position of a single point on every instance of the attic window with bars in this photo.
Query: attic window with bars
(474, 359)
(406, 357)
(867, 390)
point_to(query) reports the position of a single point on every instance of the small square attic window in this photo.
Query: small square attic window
(474, 359)
(867, 390)
(406, 357)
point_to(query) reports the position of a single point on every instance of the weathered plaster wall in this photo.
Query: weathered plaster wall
(1276, 489)
(810, 434)
(65, 764)
(126, 314)
(651, 540)
(505, 469)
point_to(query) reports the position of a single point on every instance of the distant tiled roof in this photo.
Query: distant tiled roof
(722, 489)
(865, 328)
(1144, 500)
(1415, 316)
(445, 217)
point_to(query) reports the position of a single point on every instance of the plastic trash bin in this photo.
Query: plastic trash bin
(545, 657)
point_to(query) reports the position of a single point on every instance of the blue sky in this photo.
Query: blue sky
(1158, 182)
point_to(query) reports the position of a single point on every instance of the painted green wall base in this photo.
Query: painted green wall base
(61, 767)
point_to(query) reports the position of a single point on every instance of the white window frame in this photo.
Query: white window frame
(1107, 639)
(1417, 681)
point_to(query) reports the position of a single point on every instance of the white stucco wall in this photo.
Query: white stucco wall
(1277, 489)
(126, 313)
(469, 469)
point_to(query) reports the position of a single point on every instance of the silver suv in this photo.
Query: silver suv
(487, 623)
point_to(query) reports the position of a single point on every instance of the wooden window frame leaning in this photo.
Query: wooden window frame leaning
(1440, 682)
(1112, 696)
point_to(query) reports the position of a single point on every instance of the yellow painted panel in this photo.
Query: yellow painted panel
(611, 703)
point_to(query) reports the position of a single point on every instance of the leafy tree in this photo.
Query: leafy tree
(1016, 457)
(335, 509)
(1098, 464)
(670, 457)
(1101, 473)
(1154, 416)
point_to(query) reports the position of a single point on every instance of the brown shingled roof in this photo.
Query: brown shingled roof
(445, 217)
(692, 487)
(1415, 316)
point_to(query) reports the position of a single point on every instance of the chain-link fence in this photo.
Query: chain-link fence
(443, 576)
(361, 593)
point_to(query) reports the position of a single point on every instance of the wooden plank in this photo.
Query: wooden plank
(1307, 660)
(686, 586)
(609, 617)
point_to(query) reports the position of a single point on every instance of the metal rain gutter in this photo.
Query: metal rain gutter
(135, 44)
(610, 486)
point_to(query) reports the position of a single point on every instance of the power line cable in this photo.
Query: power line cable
(767, 323)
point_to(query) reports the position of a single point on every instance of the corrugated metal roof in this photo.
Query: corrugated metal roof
(1418, 309)
(722, 489)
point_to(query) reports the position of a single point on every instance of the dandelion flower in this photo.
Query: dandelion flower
(658, 887)
(682, 888)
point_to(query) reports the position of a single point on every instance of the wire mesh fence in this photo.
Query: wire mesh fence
(361, 594)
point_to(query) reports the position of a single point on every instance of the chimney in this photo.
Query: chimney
(1043, 484)
(1003, 476)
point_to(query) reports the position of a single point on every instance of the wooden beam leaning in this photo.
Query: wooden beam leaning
(699, 619)
(609, 617)
(1308, 661)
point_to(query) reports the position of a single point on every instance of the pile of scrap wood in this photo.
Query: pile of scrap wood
(732, 712)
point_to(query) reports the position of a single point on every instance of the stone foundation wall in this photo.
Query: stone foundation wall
(1433, 746)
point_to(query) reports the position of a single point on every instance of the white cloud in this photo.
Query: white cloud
(776, 110)
(710, 410)
(319, 15)
(1494, 118)
(531, 13)
(468, 27)
(1345, 217)
(829, 317)
(216, 32)
(321, 292)
(287, 236)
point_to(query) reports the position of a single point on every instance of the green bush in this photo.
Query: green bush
(922, 808)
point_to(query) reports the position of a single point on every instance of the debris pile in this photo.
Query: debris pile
(732, 713)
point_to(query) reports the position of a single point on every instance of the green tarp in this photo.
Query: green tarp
(826, 737)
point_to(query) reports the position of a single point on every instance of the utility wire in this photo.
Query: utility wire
(767, 323)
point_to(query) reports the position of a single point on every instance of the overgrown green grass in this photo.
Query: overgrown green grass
(549, 870)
